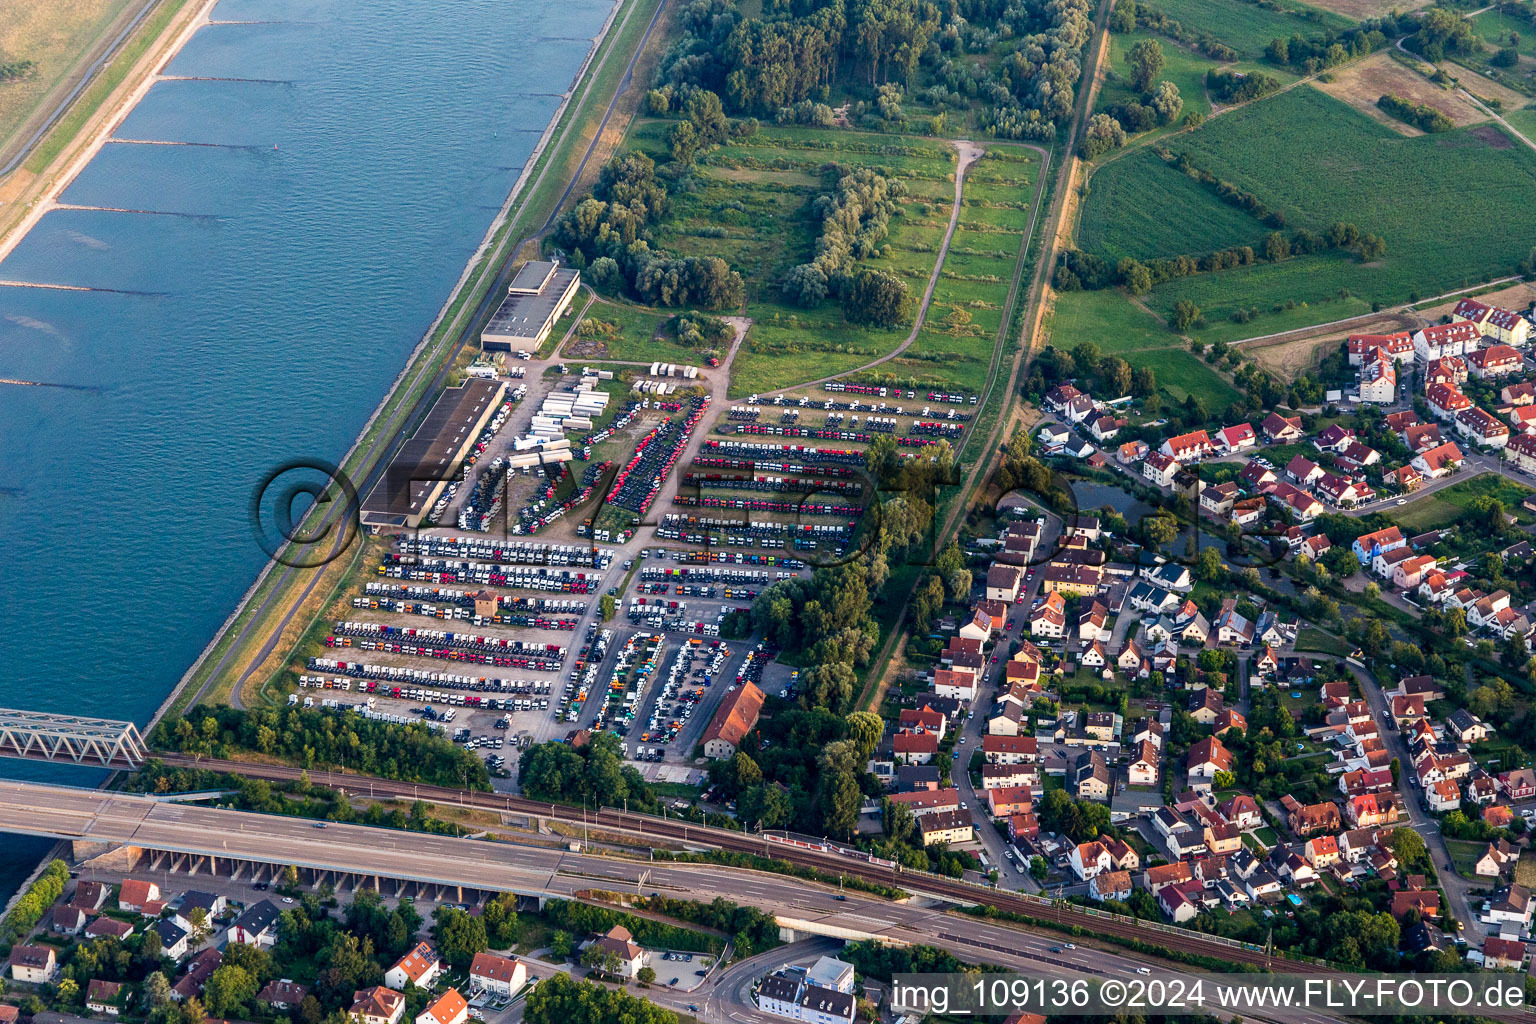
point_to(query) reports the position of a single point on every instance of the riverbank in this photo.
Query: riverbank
(95, 114)
(252, 631)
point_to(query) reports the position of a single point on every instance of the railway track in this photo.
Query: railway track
(703, 836)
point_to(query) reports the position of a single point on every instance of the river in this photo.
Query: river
(338, 162)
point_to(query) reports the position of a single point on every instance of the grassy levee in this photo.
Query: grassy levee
(64, 42)
(111, 76)
(276, 593)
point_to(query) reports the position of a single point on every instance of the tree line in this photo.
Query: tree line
(315, 738)
(1420, 115)
(854, 219)
(1311, 55)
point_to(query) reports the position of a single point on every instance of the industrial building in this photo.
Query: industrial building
(426, 463)
(540, 291)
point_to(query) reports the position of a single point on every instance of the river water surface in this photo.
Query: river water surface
(338, 161)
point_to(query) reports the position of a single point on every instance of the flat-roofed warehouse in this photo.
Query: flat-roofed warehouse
(538, 294)
(426, 463)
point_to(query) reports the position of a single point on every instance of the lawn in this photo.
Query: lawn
(1310, 639)
(1446, 506)
(1249, 27)
(1182, 67)
(1494, 28)
(1465, 855)
(1523, 120)
(633, 339)
(1318, 161)
(1110, 320)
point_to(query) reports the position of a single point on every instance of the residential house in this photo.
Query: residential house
(1493, 362)
(1368, 545)
(1110, 885)
(619, 942)
(1443, 796)
(135, 894)
(1142, 771)
(419, 967)
(1160, 469)
(174, 939)
(1088, 860)
(1422, 437)
(1309, 819)
(1499, 856)
(257, 926)
(949, 827)
(1482, 428)
(199, 969)
(1049, 617)
(1467, 727)
(1521, 451)
(1190, 447)
(1446, 400)
(1519, 784)
(1502, 325)
(377, 1005)
(1206, 757)
(1091, 779)
(282, 995)
(104, 997)
(1398, 347)
(1445, 340)
(1302, 505)
(448, 1008)
(1234, 439)
(1441, 460)
(1510, 909)
(1501, 954)
(1282, 429)
(33, 965)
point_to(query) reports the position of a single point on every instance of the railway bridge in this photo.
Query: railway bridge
(97, 742)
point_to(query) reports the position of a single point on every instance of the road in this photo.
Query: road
(1456, 887)
(115, 818)
(1011, 873)
(798, 904)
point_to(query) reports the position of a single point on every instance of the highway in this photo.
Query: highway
(700, 837)
(812, 908)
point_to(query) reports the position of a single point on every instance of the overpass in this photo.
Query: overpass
(98, 742)
(130, 834)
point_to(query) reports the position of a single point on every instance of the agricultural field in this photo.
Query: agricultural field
(1110, 320)
(56, 35)
(1523, 121)
(1319, 161)
(1142, 207)
(1247, 27)
(1363, 83)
